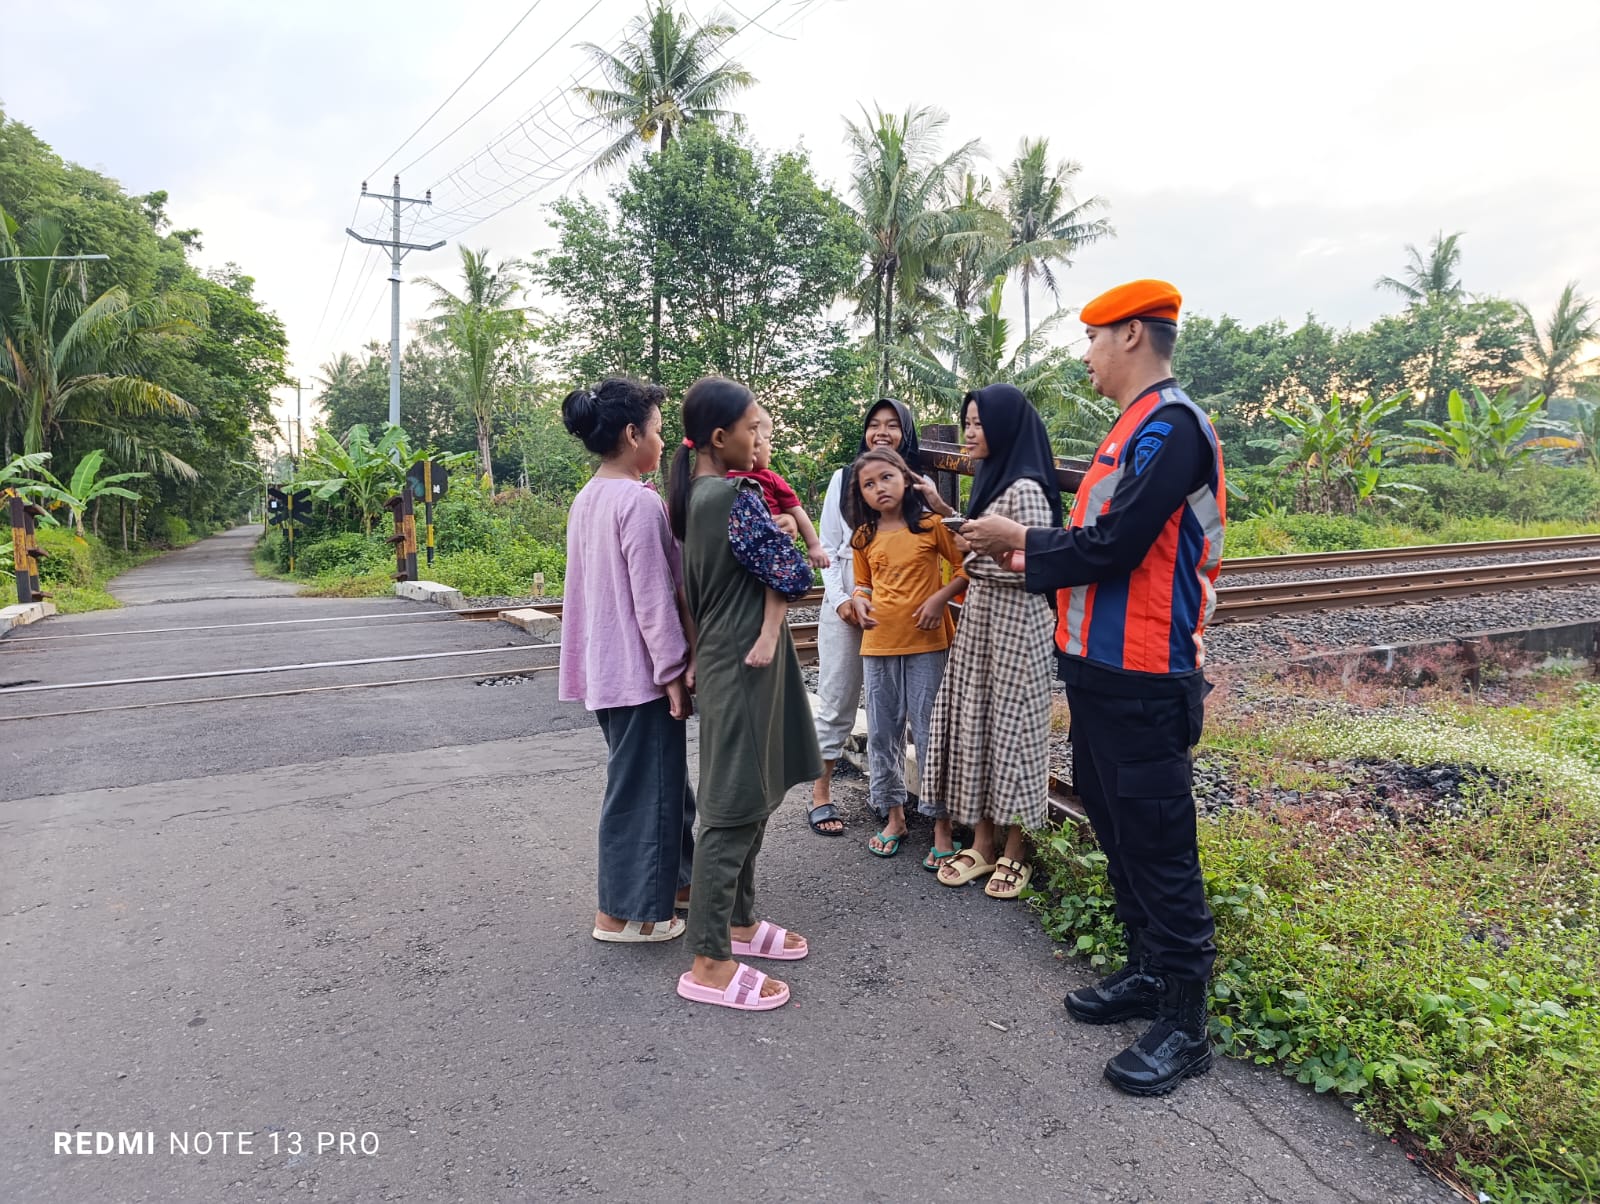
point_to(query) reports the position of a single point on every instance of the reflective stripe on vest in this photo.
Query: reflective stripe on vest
(1153, 620)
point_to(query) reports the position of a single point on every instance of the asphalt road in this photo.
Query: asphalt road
(366, 912)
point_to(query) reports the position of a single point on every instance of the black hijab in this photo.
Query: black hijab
(910, 451)
(1019, 449)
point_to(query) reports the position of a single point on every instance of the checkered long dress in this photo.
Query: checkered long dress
(990, 733)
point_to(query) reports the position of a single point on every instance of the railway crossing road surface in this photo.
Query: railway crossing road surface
(359, 917)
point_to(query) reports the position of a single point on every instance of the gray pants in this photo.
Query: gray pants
(647, 816)
(838, 681)
(724, 890)
(900, 693)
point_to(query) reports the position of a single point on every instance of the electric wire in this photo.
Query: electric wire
(454, 92)
(504, 90)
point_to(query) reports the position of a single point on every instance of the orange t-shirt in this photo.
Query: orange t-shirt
(901, 568)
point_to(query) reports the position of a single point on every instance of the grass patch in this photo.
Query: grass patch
(1291, 533)
(1441, 970)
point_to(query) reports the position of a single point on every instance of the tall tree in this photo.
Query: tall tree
(481, 328)
(662, 77)
(67, 358)
(1431, 278)
(1555, 352)
(753, 252)
(900, 183)
(1047, 225)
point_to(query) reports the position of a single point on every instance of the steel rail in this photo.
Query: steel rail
(1242, 602)
(251, 671)
(354, 685)
(390, 618)
(1437, 551)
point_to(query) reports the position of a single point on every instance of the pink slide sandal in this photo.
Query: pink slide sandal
(742, 994)
(767, 941)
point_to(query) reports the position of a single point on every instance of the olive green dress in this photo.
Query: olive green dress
(757, 738)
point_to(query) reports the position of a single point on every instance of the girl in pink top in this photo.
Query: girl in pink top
(624, 655)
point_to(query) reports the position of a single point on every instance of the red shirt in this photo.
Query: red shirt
(775, 490)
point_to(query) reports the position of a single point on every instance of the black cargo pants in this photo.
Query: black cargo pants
(1131, 768)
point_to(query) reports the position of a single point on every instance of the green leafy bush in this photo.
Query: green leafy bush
(505, 572)
(1538, 493)
(68, 560)
(171, 530)
(1445, 975)
(348, 552)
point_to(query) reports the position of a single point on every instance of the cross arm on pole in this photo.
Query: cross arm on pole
(389, 242)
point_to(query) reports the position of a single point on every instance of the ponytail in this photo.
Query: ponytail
(712, 403)
(678, 491)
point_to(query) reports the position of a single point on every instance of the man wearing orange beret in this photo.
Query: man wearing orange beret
(1136, 571)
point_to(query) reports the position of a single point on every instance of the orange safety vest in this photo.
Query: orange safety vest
(1152, 620)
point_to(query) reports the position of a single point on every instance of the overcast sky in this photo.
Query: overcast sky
(1271, 159)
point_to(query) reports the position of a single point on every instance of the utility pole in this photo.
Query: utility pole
(396, 254)
(299, 426)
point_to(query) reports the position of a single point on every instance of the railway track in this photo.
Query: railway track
(1239, 566)
(1235, 603)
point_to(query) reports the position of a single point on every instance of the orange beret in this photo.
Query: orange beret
(1152, 300)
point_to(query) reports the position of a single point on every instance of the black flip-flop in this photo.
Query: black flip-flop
(821, 815)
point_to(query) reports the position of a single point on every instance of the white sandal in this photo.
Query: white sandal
(633, 932)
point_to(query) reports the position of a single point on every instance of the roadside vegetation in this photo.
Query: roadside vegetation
(1407, 891)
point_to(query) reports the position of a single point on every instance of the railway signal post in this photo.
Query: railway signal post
(25, 551)
(404, 538)
(428, 481)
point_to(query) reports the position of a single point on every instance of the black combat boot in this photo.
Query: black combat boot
(1176, 1045)
(1132, 993)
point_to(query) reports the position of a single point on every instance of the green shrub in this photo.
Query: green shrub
(348, 552)
(170, 530)
(1445, 974)
(1538, 493)
(505, 572)
(68, 560)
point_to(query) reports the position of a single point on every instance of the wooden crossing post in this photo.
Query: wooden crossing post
(25, 550)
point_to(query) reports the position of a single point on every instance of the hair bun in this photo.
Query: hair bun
(580, 413)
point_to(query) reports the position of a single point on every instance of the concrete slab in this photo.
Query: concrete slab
(23, 613)
(431, 592)
(540, 624)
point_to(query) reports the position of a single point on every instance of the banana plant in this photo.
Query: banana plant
(88, 486)
(1486, 434)
(1337, 451)
(22, 476)
(363, 474)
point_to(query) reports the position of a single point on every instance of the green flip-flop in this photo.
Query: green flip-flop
(884, 838)
(935, 858)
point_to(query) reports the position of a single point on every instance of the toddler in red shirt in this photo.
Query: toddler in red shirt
(783, 501)
(792, 519)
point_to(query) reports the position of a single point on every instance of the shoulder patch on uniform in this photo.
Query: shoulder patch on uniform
(1159, 428)
(1145, 450)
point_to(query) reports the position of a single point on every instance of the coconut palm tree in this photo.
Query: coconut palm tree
(67, 358)
(1047, 225)
(1555, 351)
(899, 184)
(662, 77)
(339, 373)
(481, 328)
(1431, 277)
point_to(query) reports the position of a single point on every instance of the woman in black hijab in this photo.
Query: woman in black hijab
(889, 423)
(989, 739)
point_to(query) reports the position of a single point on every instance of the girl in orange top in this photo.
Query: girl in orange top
(900, 605)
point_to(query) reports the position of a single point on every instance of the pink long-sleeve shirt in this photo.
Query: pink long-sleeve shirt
(622, 639)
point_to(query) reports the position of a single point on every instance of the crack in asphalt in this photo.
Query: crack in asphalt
(1284, 1141)
(1233, 1158)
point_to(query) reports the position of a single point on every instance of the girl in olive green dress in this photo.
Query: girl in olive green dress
(756, 734)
